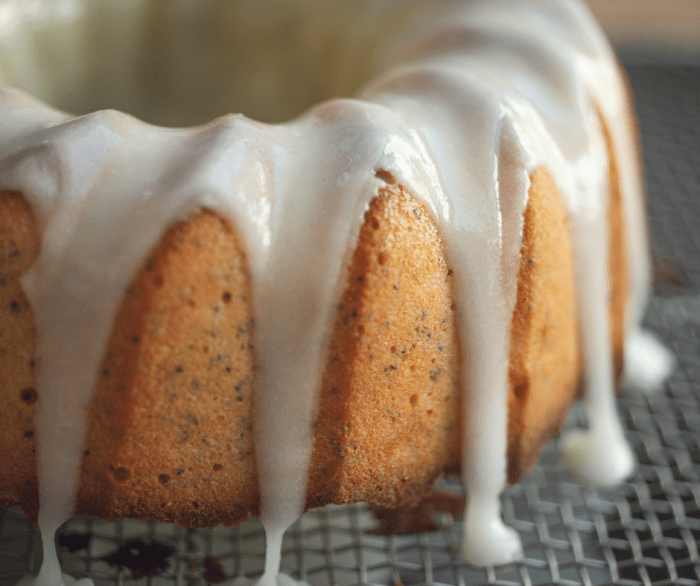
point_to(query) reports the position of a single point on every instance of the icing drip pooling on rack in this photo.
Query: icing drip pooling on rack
(480, 95)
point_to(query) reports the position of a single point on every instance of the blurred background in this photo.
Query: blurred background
(663, 24)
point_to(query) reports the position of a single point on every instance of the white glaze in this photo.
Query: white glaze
(50, 573)
(647, 361)
(479, 95)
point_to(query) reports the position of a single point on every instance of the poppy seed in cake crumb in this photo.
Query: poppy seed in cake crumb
(29, 395)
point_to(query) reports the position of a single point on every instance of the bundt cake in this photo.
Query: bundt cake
(239, 318)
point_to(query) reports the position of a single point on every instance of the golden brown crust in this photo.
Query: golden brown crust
(618, 269)
(19, 246)
(169, 431)
(389, 414)
(544, 358)
(170, 428)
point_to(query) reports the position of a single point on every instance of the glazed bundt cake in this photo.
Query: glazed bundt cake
(240, 319)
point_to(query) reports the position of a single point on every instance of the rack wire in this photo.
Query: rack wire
(643, 532)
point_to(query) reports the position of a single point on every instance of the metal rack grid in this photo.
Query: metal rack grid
(644, 532)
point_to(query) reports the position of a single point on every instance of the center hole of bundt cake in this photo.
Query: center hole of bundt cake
(181, 63)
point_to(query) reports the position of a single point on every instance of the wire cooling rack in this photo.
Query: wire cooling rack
(643, 532)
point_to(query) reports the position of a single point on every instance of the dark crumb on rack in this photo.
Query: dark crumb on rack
(417, 517)
(213, 572)
(143, 559)
(73, 541)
